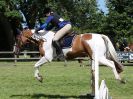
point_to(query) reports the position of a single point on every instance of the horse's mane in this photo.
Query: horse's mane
(27, 33)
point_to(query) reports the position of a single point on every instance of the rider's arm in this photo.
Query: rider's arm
(48, 20)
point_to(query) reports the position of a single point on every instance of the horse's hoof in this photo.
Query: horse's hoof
(40, 78)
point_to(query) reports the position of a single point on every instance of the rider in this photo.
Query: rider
(63, 27)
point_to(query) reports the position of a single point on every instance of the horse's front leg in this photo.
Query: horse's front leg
(37, 66)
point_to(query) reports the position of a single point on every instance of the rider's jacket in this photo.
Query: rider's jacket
(55, 20)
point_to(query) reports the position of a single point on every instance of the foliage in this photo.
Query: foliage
(8, 9)
(120, 18)
(13, 14)
(2, 5)
(84, 14)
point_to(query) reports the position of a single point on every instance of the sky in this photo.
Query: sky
(102, 5)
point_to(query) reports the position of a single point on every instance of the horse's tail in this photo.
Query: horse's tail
(112, 54)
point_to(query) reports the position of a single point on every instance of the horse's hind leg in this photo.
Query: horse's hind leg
(111, 64)
(37, 65)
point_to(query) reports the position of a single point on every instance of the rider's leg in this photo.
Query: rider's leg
(56, 44)
(59, 52)
(59, 34)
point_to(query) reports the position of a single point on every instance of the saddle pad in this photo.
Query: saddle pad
(66, 42)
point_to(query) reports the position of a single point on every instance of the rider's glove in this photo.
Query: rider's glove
(36, 30)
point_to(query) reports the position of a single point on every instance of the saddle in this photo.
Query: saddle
(66, 41)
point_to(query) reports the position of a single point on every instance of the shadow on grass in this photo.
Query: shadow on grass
(38, 96)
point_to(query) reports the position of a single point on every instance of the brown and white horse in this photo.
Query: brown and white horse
(97, 46)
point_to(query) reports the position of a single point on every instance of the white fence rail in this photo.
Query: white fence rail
(23, 55)
(127, 56)
(123, 56)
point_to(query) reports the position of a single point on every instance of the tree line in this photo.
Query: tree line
(84, 15)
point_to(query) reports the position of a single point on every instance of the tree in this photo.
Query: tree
(6, 14)
(84, 14)
(120, 18)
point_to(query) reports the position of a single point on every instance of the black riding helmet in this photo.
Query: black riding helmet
(46, 10)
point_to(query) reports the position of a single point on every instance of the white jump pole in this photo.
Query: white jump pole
(101, 92)
(96, 79)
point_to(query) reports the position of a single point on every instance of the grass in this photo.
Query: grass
(71, 82)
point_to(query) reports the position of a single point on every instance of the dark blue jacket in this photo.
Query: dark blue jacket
(55, 20)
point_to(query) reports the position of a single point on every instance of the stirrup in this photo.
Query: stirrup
(61, 57)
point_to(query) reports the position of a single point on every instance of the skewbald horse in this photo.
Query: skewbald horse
(96, 46)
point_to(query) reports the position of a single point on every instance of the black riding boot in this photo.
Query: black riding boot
(60, 55)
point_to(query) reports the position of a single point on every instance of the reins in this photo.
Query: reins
(33, 41)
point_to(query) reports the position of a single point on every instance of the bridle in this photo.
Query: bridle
(23, 39)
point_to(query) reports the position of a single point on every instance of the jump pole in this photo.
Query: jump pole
(101, 92)
(96, 78)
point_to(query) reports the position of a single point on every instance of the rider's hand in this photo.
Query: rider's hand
(36, 30)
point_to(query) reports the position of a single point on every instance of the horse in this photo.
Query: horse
(129, 48)
(24, 40)
(98, 47)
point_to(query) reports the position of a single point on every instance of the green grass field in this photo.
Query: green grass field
(71, 82)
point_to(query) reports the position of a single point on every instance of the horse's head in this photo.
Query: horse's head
(29, 36)
(22, 39)
(25, 37)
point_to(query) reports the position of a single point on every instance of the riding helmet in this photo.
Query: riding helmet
(46, 10)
